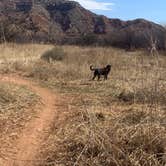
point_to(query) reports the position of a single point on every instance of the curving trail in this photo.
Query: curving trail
(36, 130)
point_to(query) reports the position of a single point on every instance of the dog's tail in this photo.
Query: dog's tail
(91, 68)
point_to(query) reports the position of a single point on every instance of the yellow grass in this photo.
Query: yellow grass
(27, 53)
(118, 122)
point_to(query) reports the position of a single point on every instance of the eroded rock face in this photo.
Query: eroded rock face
(66, 21)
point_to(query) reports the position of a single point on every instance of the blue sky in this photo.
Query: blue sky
(153, 10)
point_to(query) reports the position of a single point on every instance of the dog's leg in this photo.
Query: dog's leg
(98, 77)
(105, 77)
(94, 76)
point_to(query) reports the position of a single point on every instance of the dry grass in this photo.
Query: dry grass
(117, 122)
(16, 57)
(96, 139)
(135, 77)
(14, 113)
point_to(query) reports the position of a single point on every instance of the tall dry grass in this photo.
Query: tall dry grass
(117, 122)
(135, 77)
(17, 56)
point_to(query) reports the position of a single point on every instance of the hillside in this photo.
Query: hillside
(64, 21)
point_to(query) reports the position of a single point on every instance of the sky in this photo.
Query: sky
(153, 10)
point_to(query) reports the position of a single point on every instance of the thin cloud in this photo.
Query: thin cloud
(94, 5)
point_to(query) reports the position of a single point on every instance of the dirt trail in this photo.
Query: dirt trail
(35, 131)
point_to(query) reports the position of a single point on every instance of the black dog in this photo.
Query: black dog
(101, 71)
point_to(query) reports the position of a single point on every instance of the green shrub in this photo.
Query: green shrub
(56, 54)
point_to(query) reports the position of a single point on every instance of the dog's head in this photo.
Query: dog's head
(108, 67)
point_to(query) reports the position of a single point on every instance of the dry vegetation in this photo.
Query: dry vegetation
(14, 113)
(116, 122)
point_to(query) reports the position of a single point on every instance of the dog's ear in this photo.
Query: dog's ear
(108, 66)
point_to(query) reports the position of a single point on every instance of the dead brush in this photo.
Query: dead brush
(5, 96)
(55, 54)
(91, 136)
(89, 140)
(94, 137)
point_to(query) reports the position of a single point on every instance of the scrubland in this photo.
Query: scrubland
(118, 122)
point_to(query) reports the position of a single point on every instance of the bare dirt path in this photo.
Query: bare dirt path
(36, 130)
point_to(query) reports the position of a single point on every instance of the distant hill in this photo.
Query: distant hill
(64, 21)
